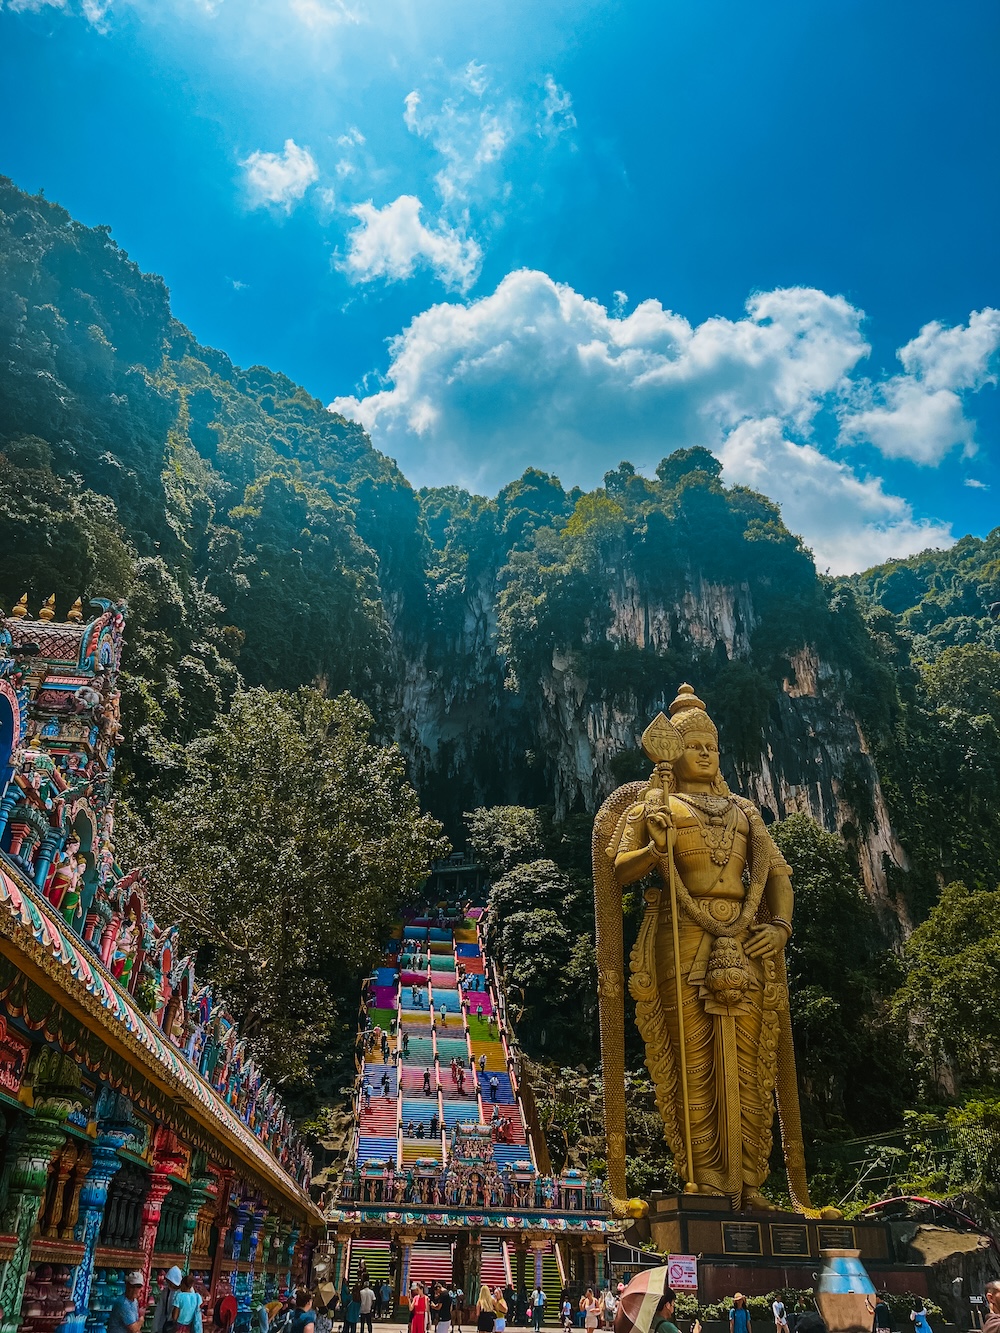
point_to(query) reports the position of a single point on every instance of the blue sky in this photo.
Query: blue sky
(504, 234)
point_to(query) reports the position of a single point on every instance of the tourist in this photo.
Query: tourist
(386, 1295)
(485, 1314)
(918, 1316)
(165, 1302)
(444, 1015)
(781, 1317)
(409, 1129)
(186, 1309)
(610, 1308)
(420, 1129)
(499, 1310)
(406, 1044)
(418, 1308)
(435, 1127)
(304, 1318)
(442, 1310)
(482, 1063)
(537, 1308)
(591, 1308)
(881, 1319)
(461, 1081)
(457, 1297)
(992, 1324)
(739, 1315)
(663, 1316)
(427, 1082)
(494, 1086)
(367, 1302)
(125, 1316)
(479, 1011)
(385, 1083)
(454, 1069)
(566, 1311)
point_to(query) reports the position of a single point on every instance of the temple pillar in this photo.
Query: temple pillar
(223, 1221)
(600, 1263)
(406, 1241)
(259, 1293)
(160, 1185)
(196, 1196)
(10, 798)
(47, 850)
(539, 1246)
(104, 1166)
(38, 1144)
(289, 1258)
(338, 1259)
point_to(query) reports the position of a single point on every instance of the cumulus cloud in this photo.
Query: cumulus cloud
(391, 242)
(279, 179)
(921, 414)
(535, 374)
(850, 522)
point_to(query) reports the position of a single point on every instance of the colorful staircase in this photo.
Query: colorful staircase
(433, 991)
(431, 1261)
(377, 1256)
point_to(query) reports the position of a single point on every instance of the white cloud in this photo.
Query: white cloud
(557, 110)
(470, 134)
(537, 375)
(279, 178)
(975, 484)
(320, 14)
(391, 242)
(34, 6)
(352, 139)
(921, 415)
(850, 522)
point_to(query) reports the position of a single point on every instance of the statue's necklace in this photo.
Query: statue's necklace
(718, 818)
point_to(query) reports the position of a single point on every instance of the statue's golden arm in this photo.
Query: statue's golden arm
(630, 866)
(772, 938)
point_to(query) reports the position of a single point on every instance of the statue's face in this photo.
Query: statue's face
(700, 760)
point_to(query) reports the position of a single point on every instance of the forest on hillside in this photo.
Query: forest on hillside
(284, 580)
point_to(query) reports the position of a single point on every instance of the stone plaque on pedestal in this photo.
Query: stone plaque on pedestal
(741, 1238)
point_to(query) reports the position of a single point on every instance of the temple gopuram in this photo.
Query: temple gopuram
(445, 1179)
(137, 1133)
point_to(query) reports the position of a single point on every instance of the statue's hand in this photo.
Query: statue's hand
(765, 940)
(658, 823)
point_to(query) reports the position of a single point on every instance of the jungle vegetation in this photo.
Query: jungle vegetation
(283, 578)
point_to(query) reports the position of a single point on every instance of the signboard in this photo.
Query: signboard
(836, 1238)
(787, 1238)
(682, 1271)
(741, 1237)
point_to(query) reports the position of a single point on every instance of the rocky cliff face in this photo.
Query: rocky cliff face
(564, 740)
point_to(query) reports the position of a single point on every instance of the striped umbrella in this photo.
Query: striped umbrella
(637, 1303)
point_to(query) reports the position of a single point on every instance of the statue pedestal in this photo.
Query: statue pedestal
(757, 1252)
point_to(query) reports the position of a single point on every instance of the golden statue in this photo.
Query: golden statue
(707, 970)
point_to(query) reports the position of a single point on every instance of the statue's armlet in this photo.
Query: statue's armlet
(630, 832)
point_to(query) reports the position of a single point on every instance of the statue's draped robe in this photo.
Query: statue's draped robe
(731, 1049)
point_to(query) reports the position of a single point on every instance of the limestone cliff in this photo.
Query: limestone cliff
(569, 740)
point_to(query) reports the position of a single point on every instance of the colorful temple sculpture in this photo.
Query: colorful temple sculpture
(136, 1132)
(445, 1180)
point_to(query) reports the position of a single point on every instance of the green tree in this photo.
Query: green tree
(286, 852)
(850, 1050)
(951, 994)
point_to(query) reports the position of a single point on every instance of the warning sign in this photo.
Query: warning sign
(682, 1270)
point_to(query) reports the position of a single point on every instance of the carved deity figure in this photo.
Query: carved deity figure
(707, 970)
